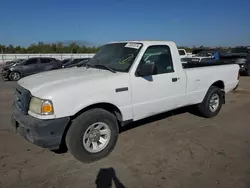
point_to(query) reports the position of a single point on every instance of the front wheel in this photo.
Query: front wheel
(15, 76)
(212, 103)
(92, 135)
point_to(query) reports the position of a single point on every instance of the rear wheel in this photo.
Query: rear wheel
(92, 135)
(15, 76)
(212, 103)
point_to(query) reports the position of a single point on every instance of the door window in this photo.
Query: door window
(30, 62)
(159, 55)
(45, 60)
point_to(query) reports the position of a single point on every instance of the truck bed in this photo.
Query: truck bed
(189, 65)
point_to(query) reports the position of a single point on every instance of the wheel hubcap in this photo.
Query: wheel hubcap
(96, 137)
(15, 76)
(214, 102)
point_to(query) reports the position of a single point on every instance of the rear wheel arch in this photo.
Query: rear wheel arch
(214, 96)
(220, 84)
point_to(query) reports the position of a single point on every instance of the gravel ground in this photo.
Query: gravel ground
(176, 149)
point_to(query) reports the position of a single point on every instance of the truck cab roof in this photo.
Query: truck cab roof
(146, 42)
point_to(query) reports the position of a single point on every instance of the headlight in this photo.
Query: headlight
(41, 106)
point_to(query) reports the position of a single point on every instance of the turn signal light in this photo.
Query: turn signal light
(47, 108)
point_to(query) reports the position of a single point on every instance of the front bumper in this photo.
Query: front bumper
(43, 133)
(5, 74)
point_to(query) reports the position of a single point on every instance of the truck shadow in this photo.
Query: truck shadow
(106, 178)
(190, 109)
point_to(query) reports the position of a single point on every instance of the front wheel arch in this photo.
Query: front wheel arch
(105, 106)
(77, 130)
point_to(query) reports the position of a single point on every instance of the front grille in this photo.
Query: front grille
(22, 99)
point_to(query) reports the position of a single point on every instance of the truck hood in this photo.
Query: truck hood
(42, 83)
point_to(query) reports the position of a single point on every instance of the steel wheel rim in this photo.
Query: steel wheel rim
(96, 137)
(15, 76)
(214, 102)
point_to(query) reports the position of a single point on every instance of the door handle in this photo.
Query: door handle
(175, 79)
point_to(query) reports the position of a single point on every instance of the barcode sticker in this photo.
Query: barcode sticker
(133, 45)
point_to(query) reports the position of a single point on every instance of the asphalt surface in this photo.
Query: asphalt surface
(176, 149)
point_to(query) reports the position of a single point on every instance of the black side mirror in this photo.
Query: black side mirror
(146, 69)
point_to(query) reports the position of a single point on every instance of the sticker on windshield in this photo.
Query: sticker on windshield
(133, 45)
(126, 59)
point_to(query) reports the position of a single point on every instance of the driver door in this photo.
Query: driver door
(161, 92)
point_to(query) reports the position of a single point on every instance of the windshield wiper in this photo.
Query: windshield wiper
(104, 66)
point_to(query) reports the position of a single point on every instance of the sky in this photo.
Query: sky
(188, 23)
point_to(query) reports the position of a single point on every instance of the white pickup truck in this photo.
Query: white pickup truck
(84, 107)
(183, 53)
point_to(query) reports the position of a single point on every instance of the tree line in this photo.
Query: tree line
(221, 49)
(41, 47)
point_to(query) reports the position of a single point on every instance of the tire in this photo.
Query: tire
(15, 76)
(205, 108)
(77, 143)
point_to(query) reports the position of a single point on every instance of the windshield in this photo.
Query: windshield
(20, 61)
(16, 61)
(117, 56)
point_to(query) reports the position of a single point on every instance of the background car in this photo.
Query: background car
(240, 55)
(73, 62)
(183, 53)
(206, 55)
(30, 66)
(79, 64)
